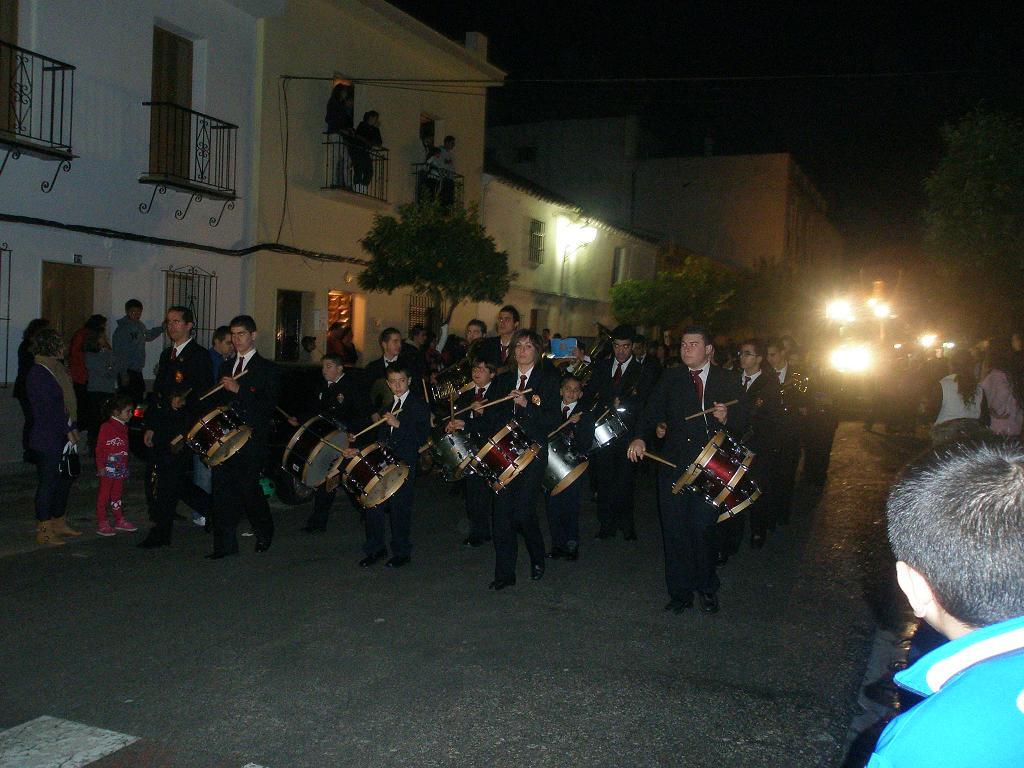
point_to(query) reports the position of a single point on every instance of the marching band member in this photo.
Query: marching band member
(515, 508)
(622, 386)
(402, 434)
(375, 374)
(182, 375)
(564, 508)
(687, 520)
(787, 459)
(479, 496)
(236, 482)
(499, 349)
(341, 398)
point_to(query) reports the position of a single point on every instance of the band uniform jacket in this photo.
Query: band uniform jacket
(490, 349)
(484, 425)
(405, 440)
(188, 374)
(375, 379)
(541, 414)
(765, 417)
(345, 401)
(675, 397)
(256, 398)
(634, 388)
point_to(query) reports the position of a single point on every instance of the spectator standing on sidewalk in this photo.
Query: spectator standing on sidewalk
(130, 339)
(112, 465)
(956, 525)
(25, 362)
(99, 362)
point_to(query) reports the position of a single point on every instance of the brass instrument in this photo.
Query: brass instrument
(582, 369)
(456, 378)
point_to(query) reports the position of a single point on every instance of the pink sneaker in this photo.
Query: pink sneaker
(125, 525)
(105, 530)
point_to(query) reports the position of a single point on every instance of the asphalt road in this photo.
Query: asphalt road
(297, 657)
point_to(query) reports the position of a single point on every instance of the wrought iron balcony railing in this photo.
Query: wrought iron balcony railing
(191, 151)
(435, 183)
(36, 98)
(353, 165)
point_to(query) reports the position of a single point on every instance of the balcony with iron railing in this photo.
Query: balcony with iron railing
(36, 98)
(434, 183)
(352, 165)
(191, 151)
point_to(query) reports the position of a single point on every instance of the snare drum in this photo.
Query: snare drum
(456, 453)
(565, 464)
(218, 435)
(607, 429)
(505, 455)
(313, 450)
(373, 475)
(719, 473)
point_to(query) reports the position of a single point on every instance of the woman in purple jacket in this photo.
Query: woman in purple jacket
(51, 400)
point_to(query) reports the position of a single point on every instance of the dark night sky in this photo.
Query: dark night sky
(866, 143)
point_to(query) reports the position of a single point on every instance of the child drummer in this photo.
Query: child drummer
(564, 508)
(479, 497)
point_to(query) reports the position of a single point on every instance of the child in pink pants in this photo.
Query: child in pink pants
(112, 465)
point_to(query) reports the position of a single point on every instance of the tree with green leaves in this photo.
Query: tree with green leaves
(694, 288)
(443, 252)
(975, 213)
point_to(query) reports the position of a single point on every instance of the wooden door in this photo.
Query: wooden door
(67, 299)
(170, 130)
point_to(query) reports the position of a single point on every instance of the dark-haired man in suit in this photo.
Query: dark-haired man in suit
(182, 376)
(687, 519)
(236, 482)
(620, 385)
(499, 349)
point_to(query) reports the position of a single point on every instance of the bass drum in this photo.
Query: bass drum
(505, 455)
(313, 450)
(565, 465)
(218, 435)
(373, 475)
(719, 474)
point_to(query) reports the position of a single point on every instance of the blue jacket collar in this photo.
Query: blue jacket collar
(935, 669)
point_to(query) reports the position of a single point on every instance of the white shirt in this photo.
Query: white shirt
(401, 404)
(570, 406)
(750, 378)
(519, 376)
(782, 373)
(245, 358)
(179, 347)
(622, 366)
(483, 395)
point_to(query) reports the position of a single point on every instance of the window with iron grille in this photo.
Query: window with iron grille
(536, 255)
(196, 289)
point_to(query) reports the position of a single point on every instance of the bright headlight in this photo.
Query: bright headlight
(851, 359)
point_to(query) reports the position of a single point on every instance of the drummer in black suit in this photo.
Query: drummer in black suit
(515, 508)
(564, 508)
(621, 386)
(479, 496)
(341, 398)
(402, 434)
(499, 349)
(392, 350)
(182, 376)
(643, 355)
(236, 482)
(687, 520)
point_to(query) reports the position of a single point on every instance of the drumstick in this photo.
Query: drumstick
(219, 387)
(451, 405)
(486, 404)
(655, 457)
(606, 410)
(426, 395)
(708, 410)
(374, 425)
(555, 431)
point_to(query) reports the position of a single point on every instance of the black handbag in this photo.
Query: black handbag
(70, 463)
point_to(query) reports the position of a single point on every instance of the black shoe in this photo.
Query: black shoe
(262, 545)
(310, 528)
(396, 562)
(605, 535)
(499, 584)
(556, 553)
(678, 606)
(708, 602)
(757, 540)
(630, 536)
(371, 559)
(220, 555)
(537, 572)
(152, 542)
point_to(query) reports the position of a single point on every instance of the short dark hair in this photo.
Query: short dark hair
(775, 342)
(47, 342)
(243, 321)
(332, 358)
(399, 366)
(115, 403)
(957, 517)
(488, 364)
(187, 316)
(623, 332)
(757, 344)
(222, 332)
(479, 324)
(132, 304)
(532, 335)
(387, 333)
(701, 329)
(418, 328)
(448, 138)
(512, 311)
(570, 377)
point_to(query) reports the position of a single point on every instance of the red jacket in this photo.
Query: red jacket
(112, 450)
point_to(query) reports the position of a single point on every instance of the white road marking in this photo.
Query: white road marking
(49, 742)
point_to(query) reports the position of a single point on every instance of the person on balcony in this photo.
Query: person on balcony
(340, 118)
(448, 172)
(367, 137)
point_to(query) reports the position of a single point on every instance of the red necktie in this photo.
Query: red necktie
(565, 413)
(618, 374)
(699, 386)
(478, 396)
(746, 383)
(174, 353)
(522, 385)
(504, 354)
(239, 366)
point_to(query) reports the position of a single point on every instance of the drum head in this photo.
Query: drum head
(313, 451)
(228, 446)
(569, 479)
(385, 485)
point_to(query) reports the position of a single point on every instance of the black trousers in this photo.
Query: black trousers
(614, 477)
(399, 507)
(322, 502)
(689, 539)
(479, 507)
(819, 434)
(52, 489)
(782, 479)
(173, 484)
(564, 516)
(515, 512)
(237, 491)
